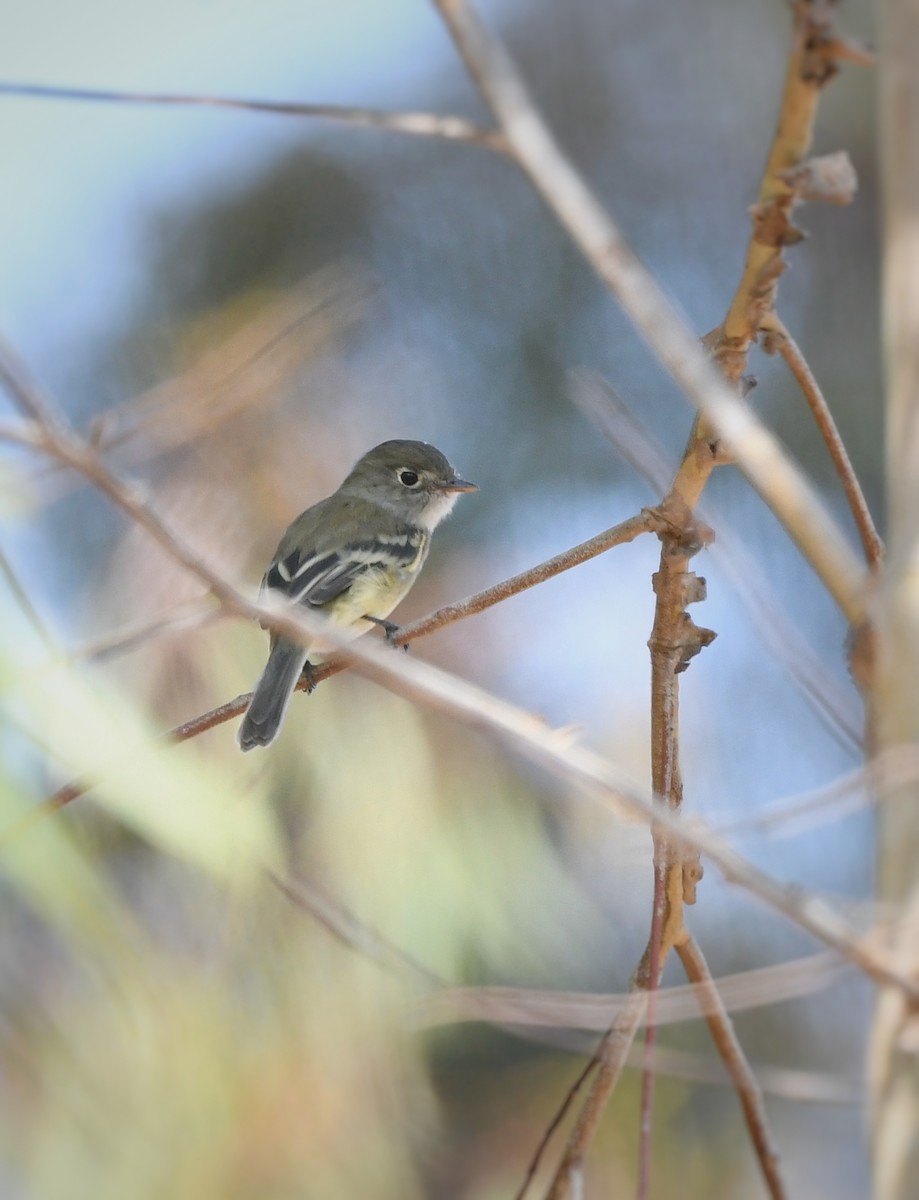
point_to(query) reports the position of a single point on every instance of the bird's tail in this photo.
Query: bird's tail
(271, 696)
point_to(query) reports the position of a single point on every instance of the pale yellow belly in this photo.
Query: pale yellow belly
(375, 594)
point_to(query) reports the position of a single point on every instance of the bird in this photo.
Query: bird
(352, 557)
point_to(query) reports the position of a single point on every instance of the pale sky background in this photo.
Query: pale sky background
(78, 175)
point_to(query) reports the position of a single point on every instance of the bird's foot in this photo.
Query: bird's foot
(390, 630)
(309, 674)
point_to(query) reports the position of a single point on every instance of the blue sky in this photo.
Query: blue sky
(78, 175)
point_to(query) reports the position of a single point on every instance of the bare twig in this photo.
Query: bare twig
(612, 1055)
(193, 615)
(591, 775)
(658, 952)
(416, 124)
(882, 780)
(724, 417)
(756, 450)
(731, 1051)
(355, 934)
(779, 338)
(563, 1109)
(840, 711)
(528, 1007)
(25, 392)
(893, 1059)
(552, 749)
(24, 600)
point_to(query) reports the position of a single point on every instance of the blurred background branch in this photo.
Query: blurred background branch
(415, 124)
(894, 1065)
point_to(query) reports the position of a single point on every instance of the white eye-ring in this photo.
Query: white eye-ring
(408, 478)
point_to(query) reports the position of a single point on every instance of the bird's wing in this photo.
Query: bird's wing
(314, 576)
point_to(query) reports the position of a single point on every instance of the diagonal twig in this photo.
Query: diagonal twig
(415, 124)
(842, 716)
(779, 339)
(552, 749)
(612, 1056)
(757, 452)
(561, 1112)
(193, 615)
(732, 1054)
(726, 422)
(25, 602)
(590, 775)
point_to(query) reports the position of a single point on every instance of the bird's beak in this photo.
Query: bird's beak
(458, 485)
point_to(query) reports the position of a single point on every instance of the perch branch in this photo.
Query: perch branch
(589, 775)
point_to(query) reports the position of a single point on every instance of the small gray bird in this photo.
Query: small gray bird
(352, 557)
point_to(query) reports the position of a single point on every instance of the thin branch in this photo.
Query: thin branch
(742, 991)
(881, 780)
(236, 374)
(564, 1108)
(843, 717)
(25, 392)
(193, 615)
(416, 124)
(591, 776)
(758, 453)
(780, 339)
(893, 1062)
(24, 601)
(355, 934)
(612, 1054)
(657, 952)
(57, 440)
(618, 535)
(552, 749)
(731, 1051)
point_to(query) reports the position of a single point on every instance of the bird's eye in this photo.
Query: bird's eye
(409, 478)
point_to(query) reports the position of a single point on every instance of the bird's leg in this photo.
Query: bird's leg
(390, 629)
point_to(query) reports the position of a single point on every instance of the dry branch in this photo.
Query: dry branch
(193, 615)
(779, 339)
(740, 992)
(894, 1066)
(731, 1051)
(592, 777)
(415, 124)
(552, 749)
(726, 422)
(756, 450)
(611, 1056)
(26, 604)
(843, 716)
